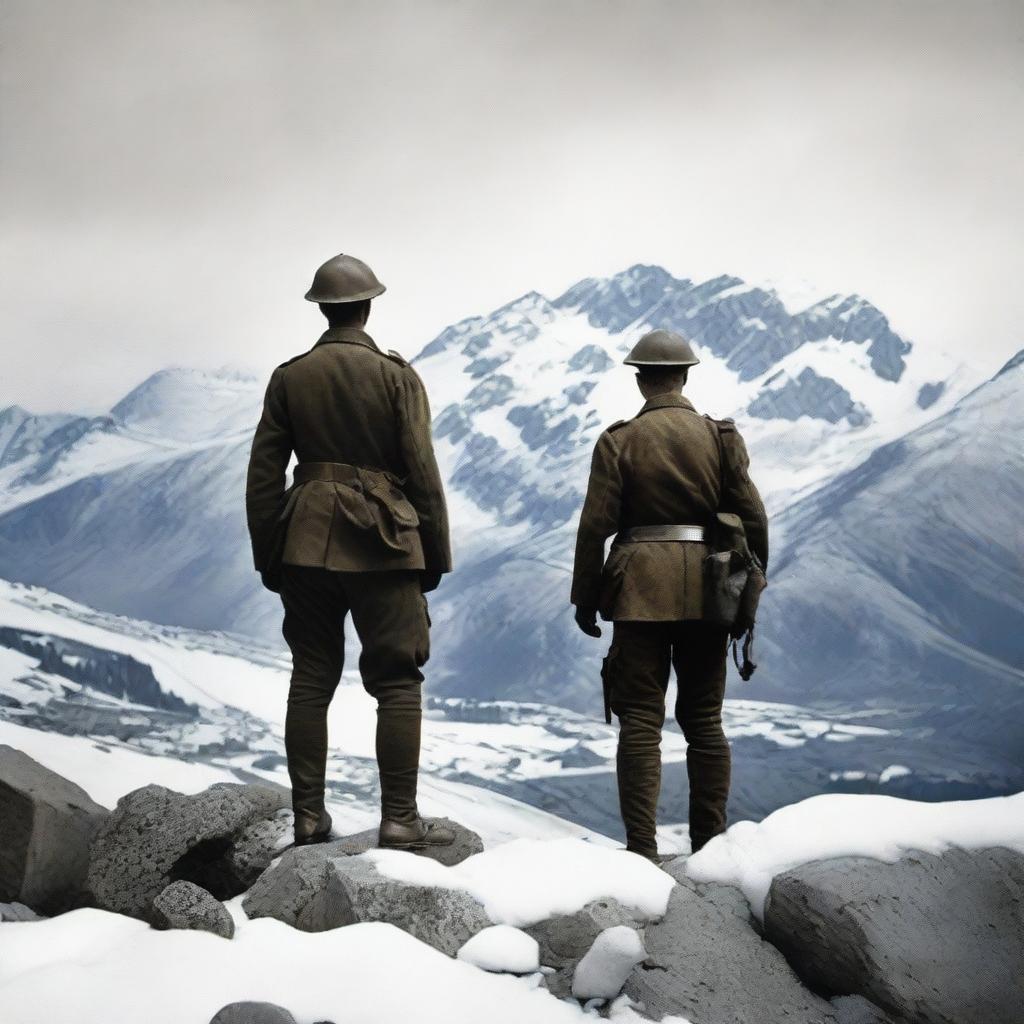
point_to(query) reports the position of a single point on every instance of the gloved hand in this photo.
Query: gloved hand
(586, 619)
(429, 581)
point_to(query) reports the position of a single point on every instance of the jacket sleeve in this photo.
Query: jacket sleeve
(268, 462)
(423, 486)
(598, 521)
(739, 495)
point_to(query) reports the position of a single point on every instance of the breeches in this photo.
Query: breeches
(390, 616)
(638, 665)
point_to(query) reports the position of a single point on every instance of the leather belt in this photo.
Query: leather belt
(654, 533)
(338, 472)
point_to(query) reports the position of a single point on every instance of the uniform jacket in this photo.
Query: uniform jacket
(667, 466)
(346, 401)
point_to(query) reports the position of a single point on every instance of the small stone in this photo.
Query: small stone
(17, 912)
(252, 1013)
(187, 905)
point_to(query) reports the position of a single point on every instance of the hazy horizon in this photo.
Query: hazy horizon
(171, 177)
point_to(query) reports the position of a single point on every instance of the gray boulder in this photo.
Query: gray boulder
(46, 826)
(566, 939)
(706, 962)
(936, 939)
(17, 912)
(156, 836)
(257, 845)
(313, 891)
(466, 844)
(187, 905)
(252, 1013)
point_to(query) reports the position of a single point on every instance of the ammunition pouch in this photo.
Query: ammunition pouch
(733, 582)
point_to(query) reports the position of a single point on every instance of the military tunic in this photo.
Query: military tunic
(667, 466)
(366, 531)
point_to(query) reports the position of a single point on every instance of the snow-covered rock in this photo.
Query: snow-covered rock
(48, 823)
(750, 854)
(156, 836)
(187, 905)
(607, 964)
(502, 948)
(314, 892)
(564, 939)
(933, 939)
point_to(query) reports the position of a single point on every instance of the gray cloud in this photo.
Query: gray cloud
(171, 174)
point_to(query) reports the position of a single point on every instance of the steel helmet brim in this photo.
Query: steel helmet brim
(370, 293)
(660, 362)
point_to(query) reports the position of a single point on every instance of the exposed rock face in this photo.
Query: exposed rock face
(707, 963)
(466, 844)
(46, 826)
(252, 1013)
(933, 939)
(187, 905)
(566, 939)
(314, 891)
(156, 836)
(251, 853)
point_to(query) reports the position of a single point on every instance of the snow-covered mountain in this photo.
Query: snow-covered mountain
(140, 512)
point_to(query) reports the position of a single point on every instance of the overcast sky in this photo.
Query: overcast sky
(172, 174)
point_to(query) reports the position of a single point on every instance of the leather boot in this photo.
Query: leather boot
(312, 827)
(396, 835)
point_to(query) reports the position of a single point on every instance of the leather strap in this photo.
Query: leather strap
(656, 533)
(338, 472)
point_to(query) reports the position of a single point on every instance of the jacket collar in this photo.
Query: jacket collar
(668, 401)
(352, 335)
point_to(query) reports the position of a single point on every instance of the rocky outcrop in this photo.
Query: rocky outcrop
(932, 939)
(313, 891)
(46, 826)
(187, 905)
(156, 836)
(707, 963)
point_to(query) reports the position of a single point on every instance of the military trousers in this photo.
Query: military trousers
(391, 619)
(637, 670)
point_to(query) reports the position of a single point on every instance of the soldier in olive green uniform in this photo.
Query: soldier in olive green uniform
(656, 483)
(362, 529)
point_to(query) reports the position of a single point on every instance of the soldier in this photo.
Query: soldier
(656, 482)
(362, 529)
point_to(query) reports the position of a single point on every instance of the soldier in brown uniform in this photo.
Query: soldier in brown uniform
(656, 483)
(362, 529)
